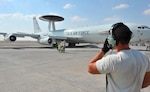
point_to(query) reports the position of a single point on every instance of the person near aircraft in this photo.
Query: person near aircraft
(61, 46)
(147, 44)
(126, 71)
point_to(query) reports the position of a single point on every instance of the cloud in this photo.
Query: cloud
(16, 22)
(147, 12)
(53, 14)
(121, 6)
(5, 1)
(17, 16)
(67, 6)
(112, 18)
(78, 19)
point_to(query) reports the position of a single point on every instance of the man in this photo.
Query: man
(128, 69)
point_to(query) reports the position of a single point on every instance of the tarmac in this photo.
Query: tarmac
(31, 67)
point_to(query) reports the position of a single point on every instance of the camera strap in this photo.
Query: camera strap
(106, 83)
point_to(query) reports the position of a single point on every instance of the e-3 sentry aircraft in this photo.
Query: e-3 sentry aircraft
(88, 34)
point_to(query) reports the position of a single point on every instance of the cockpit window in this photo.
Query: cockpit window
(143, 27)
(140, 27)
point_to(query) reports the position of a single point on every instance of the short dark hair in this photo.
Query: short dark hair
(121, 33)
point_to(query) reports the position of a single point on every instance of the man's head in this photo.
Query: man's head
(121, 33)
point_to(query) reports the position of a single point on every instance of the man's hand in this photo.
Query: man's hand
(106, 46)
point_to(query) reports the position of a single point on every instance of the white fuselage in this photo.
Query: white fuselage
(98, 34)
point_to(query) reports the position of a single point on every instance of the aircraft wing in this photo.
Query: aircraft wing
(1, 33)
(26, 34)
(19, 34)
(72, 39)
(12, 36)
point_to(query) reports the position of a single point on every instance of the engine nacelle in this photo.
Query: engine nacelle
(46, 41)
(10, 37)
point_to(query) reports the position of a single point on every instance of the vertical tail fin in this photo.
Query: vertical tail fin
(37, 29)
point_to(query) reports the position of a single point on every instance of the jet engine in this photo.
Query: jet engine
(46, 41)
(10, 37)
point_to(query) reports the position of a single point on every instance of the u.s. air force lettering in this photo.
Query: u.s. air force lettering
(78, 33)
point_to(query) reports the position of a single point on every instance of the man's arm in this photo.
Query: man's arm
(146, 81)
(92, 64)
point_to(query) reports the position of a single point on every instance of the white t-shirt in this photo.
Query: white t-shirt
(125, 70)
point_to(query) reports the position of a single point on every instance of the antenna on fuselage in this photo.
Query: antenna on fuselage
(51, 19)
